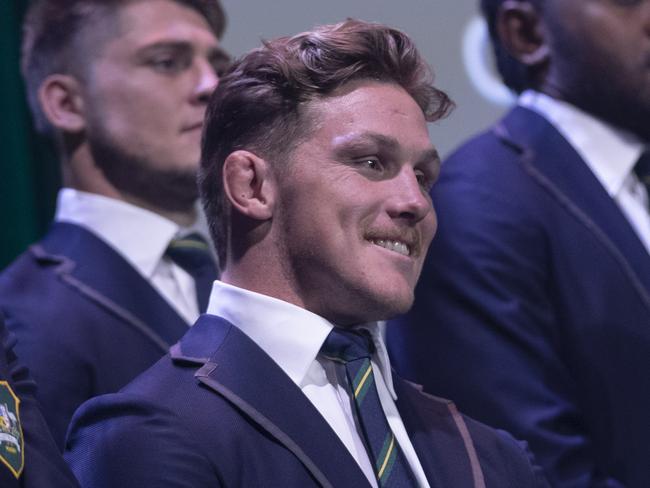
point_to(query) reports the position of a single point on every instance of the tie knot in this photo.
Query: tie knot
(189, 252)
(192, 253)
(346, 345)
(642, 167)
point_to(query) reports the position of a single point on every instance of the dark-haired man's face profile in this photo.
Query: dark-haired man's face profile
(354, 212)
(600, 58)
(146, 98)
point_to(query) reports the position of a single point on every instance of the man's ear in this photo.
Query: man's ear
(249, 184)
(62, 103)
(519, 26)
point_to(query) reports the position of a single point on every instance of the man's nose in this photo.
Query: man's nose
(410, 200)
(206, 82)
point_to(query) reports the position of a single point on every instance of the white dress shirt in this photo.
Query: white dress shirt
(140, 237)
(292, 337)
(609, 152)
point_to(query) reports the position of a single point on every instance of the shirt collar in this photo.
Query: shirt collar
(610, 152)
(139, 235)
(290, 335)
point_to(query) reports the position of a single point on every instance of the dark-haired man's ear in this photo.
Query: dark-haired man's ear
(249, 185)
(519, 26)
(62, 103)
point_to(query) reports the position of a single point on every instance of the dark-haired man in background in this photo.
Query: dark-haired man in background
(316, 168)
(533, 311)
(122, 87)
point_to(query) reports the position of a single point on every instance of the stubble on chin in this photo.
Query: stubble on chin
(171, 190)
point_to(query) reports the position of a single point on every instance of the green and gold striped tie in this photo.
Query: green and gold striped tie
(354, 351)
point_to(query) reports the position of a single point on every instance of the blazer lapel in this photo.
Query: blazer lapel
(439, 437)
(553, 162)
(91, 266)
(248, 378)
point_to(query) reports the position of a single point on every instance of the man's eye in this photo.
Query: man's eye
(371, 163)
(425, 182)
(168, 64)
(220, 64)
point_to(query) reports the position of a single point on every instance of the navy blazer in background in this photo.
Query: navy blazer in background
(43, 465)
(86, 321)
(533, 311)
(219, 412)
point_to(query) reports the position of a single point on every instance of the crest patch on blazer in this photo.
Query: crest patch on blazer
(11, 432)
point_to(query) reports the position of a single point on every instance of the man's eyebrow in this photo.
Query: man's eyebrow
(217, 53)
(429, 156)
(165, 45)
(364, 141)
(368, 140)
(183, 45)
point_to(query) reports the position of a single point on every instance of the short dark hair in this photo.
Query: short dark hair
(52, 37)
(516, 75)
(257, 105)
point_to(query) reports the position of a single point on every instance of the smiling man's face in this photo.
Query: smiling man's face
(354, 216)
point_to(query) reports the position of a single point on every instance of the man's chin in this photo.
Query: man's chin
(397, 308)
(380, 307)
(171, 190)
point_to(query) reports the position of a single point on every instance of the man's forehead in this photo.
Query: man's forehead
(370, 114)
(358, 98)
(149, 21)
(142, 22)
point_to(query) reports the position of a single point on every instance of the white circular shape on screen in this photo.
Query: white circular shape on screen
(477, 64)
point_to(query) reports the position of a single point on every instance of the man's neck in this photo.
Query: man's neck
(608, 113)
(183, 218)
(83, 175)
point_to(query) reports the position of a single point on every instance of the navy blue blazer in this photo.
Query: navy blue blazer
(533, 311)
(40, 463)
(218, 411)
(86, 321)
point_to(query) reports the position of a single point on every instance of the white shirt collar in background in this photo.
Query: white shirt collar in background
(610, 152)
(141, 238)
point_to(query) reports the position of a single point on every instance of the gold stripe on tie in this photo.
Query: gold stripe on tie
(388, 453)
(363, 380)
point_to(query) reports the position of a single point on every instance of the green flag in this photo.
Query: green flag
(29, 174)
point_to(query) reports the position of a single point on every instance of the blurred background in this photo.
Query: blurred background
(449, 34)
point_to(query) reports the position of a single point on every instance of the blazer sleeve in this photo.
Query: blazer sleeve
(527, 471)
(505, 452)
(122, 440)
(43, 463)
(484, 331)
(53, 345)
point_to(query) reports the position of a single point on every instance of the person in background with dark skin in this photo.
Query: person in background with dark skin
(121, 86)
(29, 457)
(316, 168)
(533, 311)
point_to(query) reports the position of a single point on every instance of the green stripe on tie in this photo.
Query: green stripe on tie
(363, 381)
(354, 349)
(186, 243)
(386, 459)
